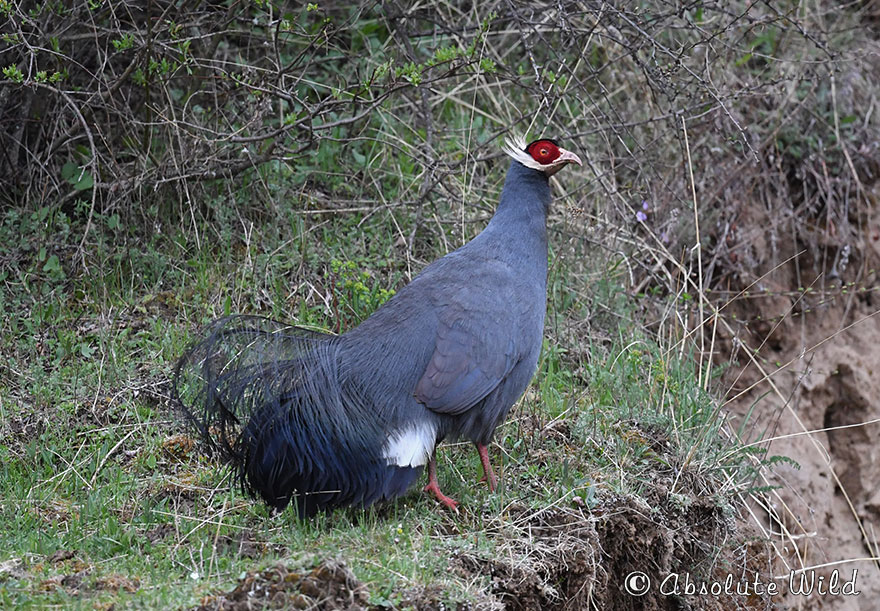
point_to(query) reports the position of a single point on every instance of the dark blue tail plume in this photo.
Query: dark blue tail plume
(275, 402)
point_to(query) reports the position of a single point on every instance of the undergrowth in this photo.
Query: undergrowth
(161, 168)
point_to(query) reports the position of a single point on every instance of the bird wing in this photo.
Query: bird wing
(473, 353)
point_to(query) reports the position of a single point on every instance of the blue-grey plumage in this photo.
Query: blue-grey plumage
(328, 421)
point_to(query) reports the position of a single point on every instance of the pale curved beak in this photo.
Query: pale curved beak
(568, 157)
(565, 157)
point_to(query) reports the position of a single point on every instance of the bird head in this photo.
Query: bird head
(543, 155)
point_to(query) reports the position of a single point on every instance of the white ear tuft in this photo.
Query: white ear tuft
(515, 146)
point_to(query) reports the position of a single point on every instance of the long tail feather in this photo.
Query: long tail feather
(275, 402)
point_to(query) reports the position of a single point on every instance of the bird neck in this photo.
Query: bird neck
(521, 216)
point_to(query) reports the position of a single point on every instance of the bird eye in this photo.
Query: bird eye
(543, 151)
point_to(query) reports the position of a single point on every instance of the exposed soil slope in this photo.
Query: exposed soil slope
(823, 347)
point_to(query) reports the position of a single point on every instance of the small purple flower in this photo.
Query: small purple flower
(641, 216)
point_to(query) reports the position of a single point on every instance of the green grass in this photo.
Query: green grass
(95, 461)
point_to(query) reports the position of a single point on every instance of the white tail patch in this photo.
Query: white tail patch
(411, 446)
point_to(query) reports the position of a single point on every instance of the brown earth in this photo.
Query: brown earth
(822, 350)
(562, 558)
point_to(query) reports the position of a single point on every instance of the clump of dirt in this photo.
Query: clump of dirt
(566, 559)
(61, 555)
(76, 579)
(330, 586)
(114, 583)
(544, 559)
(179, 447)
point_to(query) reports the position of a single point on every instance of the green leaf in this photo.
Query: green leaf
(77, 176)
(85, 182)
(52, 265)
(69, 170)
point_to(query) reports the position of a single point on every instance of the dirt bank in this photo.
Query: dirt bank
(814, 322)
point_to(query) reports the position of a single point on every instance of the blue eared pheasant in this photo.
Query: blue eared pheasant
(328, 421)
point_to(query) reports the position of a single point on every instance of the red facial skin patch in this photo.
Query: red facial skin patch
(543, 151)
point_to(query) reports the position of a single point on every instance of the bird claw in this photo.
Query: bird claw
(446, 501)
(492, 481)
(434, 487)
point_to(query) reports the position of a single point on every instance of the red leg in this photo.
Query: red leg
(434, 486)
(488, 474)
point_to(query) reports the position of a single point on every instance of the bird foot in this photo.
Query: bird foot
(448, 502)
(488, 473)
(492, 481)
